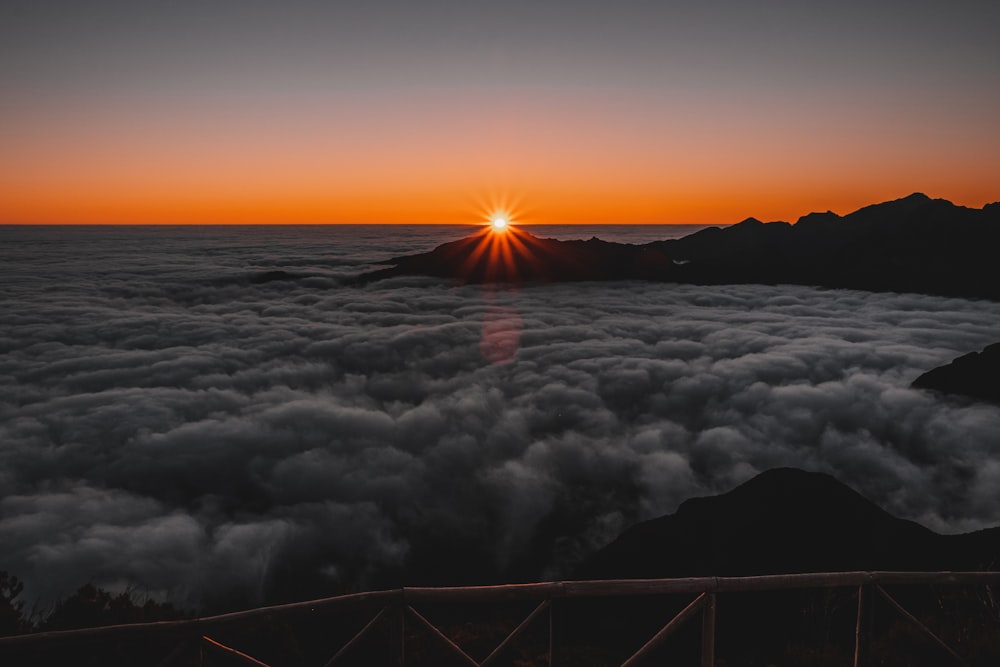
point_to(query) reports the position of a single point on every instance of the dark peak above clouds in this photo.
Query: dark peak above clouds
(914, 244)
(911, 209)
(976, 375)
(786, 520)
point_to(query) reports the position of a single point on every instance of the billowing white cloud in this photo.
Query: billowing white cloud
(222, 442)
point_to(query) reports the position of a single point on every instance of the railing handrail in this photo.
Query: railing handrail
(547, 590)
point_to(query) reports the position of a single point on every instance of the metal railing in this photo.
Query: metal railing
(395, 613)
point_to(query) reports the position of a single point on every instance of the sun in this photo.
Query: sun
(499, 223)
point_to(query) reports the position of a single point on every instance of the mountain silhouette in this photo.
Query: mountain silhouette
(785, 521)
(914, 244)
(976, 375)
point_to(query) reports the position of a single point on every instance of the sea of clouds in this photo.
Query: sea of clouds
(219, 442)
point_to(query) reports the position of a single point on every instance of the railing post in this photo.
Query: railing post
(402, 630)
(708, 632)
(552, 631)
(860, 640)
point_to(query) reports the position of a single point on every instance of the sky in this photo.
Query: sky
(407, 112)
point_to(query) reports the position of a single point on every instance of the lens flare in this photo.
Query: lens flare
(501, 336)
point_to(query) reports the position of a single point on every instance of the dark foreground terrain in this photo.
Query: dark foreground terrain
(782, 521)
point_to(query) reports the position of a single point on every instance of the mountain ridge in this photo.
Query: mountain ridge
(912, 244)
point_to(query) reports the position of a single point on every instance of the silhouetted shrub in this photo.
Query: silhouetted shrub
(91, 606)
(12, 621)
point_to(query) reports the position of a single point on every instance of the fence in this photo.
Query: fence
(394, 618)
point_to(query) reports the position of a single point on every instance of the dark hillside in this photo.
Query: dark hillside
(976, 375)
(786, 521)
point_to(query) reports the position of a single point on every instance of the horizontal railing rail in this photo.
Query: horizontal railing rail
(400, 603)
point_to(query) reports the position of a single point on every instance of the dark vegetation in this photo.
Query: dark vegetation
(914, 244)
(12, 621)
(88, 607)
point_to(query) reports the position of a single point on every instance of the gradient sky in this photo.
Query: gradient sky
(253, 111)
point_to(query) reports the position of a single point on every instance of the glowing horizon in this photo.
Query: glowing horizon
(118, 214)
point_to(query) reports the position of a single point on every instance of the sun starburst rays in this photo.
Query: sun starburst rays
(501, 256)
(500, 251)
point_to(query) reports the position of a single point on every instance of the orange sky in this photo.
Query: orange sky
(672, 132)
(569, 158)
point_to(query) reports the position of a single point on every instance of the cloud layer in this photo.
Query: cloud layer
(221, 442)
